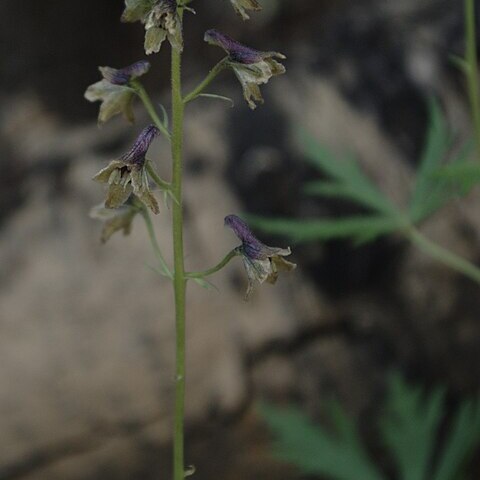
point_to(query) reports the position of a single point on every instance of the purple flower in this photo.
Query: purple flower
(128, 174)
(241, 6)
(161, 21)
(251, 67)
(262, 263)
(124, 75)
(115, 92)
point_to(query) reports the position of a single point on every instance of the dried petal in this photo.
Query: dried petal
(141, 189)
(115, 220)
(154, 37)
(241, 6)
(136, 10)
(115, 100)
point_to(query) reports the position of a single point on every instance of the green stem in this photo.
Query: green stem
(179, 275)
(214, 269)
(162, 184)
(142, 93)
(207, 81)
(444, 256)
(472, 69)
(154, 242)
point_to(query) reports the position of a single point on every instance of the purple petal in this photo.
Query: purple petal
(252, 247)
(237, 52)
(124, 75)
(136, 155)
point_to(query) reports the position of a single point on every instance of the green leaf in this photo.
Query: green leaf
(410, 427)
(429, 192)
(361, 228)
(462, 176)
(463, 437)
(348, 180)
(314, 450)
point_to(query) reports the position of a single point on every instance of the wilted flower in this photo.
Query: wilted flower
(252, 67)
(261, 262)
(114, 219)
(241, 5)
(123, 76)
(128, 174)
(114, 91)
(161, 21)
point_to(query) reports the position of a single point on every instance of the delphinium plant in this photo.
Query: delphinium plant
(132, 183)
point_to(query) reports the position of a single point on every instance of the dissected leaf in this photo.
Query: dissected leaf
(430, 192)
(360, 228)
(347, 179)
(314, 450)
(461, 176)
(464, 436)
(410, 427)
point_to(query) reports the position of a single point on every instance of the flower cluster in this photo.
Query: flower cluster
(115, 92)
(251, 67)
(161, 21)
(127, 177)
(128, 174)
(262, 263)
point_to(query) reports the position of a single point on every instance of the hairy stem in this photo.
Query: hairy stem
(443, 255)
(179, 274)
(207, 81)
(142, 93)
(472, 68)
(154, 242)
(214, 269)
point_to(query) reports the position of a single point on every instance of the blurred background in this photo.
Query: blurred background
(86, 339)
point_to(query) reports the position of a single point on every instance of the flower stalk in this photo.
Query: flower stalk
(144, 97)
(179, 280)
(218, 68)
(206, 273)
